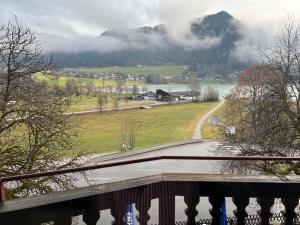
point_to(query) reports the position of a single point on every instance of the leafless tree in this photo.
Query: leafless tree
(284, 57)
(34, 134)
(265, 106)
(80, 87)
(210, 94)
(120, 84)
(56, 89)
(102, 100)
(127, 134)
(103, 87)
(144, 89)
(110, 89)
(71, 87)
(118, 90)
(90, 87)
(195, 87)
(116, 101)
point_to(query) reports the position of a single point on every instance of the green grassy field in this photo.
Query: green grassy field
(161, 70)
(63, 79)
(83, 103)
(210, 131)
(100, 133)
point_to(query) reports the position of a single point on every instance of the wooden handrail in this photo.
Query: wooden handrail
(127, 162)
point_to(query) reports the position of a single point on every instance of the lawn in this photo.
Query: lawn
(160, 70)
(100, 133)
(63, 79)
(210, 130)
(84, 102)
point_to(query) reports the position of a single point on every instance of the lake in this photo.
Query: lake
(223, 88)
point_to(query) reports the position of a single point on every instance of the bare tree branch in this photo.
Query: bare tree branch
(34, 134)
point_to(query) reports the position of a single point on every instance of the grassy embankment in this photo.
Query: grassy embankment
(100, 133)
(212, 131)
(160, 70)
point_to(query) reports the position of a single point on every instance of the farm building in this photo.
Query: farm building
(149, 95)
(162, 95)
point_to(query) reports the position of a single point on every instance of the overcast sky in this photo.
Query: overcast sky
(88, 18)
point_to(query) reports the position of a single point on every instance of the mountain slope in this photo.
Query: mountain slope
(207, 46)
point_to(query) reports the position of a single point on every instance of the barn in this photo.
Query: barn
(162, 95)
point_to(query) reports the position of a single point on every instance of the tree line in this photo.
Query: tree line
(114, 92)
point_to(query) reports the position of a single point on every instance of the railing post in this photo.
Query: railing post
(191, 199)
(216, 202)
(166, 204)
(63, 219)
(91, 214)
(2, 193)
(143, 204)
(119, 207)
(241, 203)
(265, 204)
(290, 205)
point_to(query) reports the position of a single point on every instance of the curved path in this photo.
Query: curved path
(197, 131)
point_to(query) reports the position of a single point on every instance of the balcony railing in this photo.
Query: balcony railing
(60, 207)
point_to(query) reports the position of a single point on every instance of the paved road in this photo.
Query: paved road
(197, 131)
(149, 168)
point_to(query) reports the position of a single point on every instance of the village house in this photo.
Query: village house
(162, 95)
(149, 95)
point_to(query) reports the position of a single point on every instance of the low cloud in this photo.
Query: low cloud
(78, 43)
(122, 39)
(194, 42)
(53, 43)
(257, 39)
(75, 25)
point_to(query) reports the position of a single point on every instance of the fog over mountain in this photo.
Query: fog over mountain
(121, 32)
(208, 45)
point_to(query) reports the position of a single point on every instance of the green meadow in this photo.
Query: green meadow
(99, 133)
(85, 102)
(160, 70)
(61, 80)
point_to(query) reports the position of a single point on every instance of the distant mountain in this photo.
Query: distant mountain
(207, 47)
(147, 30)
(217, 24)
